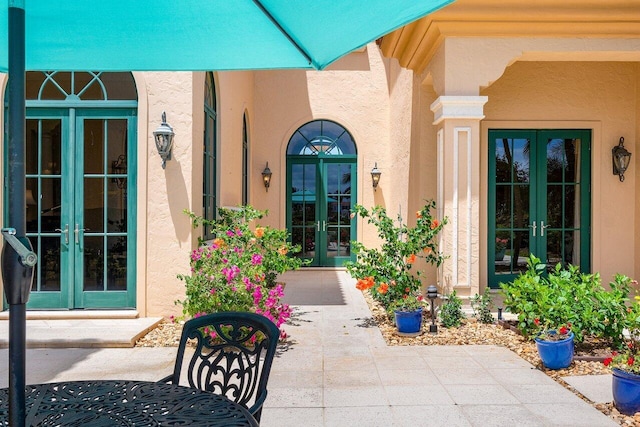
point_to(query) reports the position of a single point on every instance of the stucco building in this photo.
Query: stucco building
(505, 113)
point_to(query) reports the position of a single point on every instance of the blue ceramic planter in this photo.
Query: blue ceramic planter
(626, 391)
(556, 354)
(409, 322)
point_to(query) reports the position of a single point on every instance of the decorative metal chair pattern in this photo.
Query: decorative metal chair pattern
(232, 356)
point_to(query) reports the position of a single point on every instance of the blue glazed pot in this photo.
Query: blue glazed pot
(409, 322)
(626, 391)
(556, 354)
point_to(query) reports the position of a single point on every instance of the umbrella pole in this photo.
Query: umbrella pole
(15, 274)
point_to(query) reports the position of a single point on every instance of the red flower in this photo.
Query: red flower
(630, 361)
(607, 361)
(536, 321)
(563, 330)
(630, 345)
(615, 353)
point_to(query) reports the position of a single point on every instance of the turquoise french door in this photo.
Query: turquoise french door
(320, 196)
(539, 200)
(80, 210)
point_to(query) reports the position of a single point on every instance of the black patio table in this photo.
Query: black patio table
(125, 403)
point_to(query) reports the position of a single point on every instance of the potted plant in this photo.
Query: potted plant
(555, 345)
(389, 272)
(408, 313)
(625, 365)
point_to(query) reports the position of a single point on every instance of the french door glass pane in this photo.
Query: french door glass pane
(303, 208)
(338, 205)
(44, 199)
(105, 206)
(512, 204)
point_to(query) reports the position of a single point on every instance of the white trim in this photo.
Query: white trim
(469, 199)
(458, 107)
(455, 208)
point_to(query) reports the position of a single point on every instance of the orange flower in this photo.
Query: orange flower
(282, 250)
(427, 251)
(411, 259)
(418, 214)
(259, 232)
(435, 224)
(383, 288)
(365, 283)
(218, 242)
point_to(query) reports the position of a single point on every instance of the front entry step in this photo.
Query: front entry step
(82, 333)
(75, 314)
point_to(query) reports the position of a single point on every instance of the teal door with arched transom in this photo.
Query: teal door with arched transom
(80, 188)
(321, 191)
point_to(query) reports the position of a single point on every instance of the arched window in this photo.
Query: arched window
(245, 161)
(321, 136)
(210, 151)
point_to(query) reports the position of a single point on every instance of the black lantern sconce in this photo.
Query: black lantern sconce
(375, 176)
(266, 177)
(621, 158)
(164, 140)
(432, 294)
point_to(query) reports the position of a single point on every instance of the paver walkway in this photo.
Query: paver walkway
(338, 371)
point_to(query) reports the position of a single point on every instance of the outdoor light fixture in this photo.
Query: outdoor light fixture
(164, 140)
(621, 158)
(266, 177)
(432, 294)
(375, 176)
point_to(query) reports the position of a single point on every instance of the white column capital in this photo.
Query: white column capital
(458, 107)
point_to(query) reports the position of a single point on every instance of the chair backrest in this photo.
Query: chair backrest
(232, 356)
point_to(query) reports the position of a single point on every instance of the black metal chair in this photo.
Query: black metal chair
(233, 356)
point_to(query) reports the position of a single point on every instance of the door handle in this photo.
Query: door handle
(542, 227)
(534, 227)
(318, 225)
(77, 233)
(324, 226)
(65, 232)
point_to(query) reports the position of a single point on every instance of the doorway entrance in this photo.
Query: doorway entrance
(81, 190)
(539, 200)
(321, 170)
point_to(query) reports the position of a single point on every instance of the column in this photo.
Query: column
(457, 119)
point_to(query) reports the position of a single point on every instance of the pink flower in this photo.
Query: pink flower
(256, 259)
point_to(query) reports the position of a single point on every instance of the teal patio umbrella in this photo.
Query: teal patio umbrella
(158, 35)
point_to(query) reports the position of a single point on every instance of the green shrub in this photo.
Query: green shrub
(451, 312)
(565, 295)
(481, 306)
(388, 271)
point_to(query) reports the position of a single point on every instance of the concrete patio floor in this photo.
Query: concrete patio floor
(337, 371)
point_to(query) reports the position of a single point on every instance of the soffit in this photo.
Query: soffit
(415, 44)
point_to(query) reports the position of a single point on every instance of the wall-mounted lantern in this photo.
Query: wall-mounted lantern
(621, 158)
(266, 177)
(375, 176)
(164, 140)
